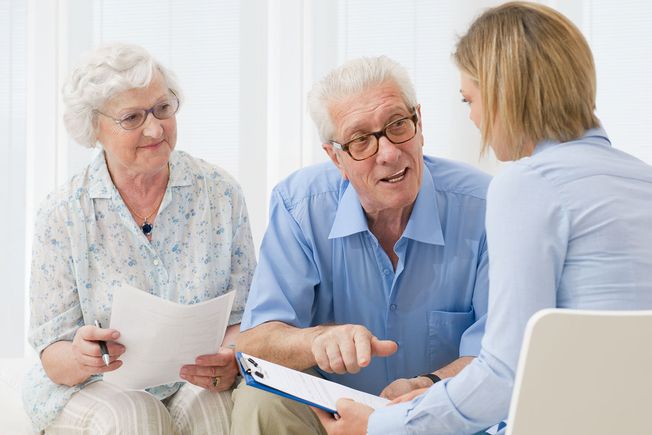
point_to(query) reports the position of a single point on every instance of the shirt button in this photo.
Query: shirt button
(392, 307)
(386, 271)
(155, 262)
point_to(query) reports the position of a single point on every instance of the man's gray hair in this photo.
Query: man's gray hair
(105, 72)
(352, 78)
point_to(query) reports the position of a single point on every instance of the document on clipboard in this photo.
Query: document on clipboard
(299, 386)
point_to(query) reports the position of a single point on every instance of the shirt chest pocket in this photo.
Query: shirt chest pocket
(445, 329)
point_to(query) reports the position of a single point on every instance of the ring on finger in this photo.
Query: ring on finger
(215, 381)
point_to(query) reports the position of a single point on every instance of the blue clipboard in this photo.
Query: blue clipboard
(248, 369)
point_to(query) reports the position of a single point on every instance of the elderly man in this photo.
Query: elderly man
(380, 253)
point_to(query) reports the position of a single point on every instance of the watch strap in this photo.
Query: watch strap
(434, 378)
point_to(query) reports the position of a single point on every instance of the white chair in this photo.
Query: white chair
(584, 373)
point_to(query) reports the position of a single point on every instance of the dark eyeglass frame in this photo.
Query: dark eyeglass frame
(414, 117)
(119, 121)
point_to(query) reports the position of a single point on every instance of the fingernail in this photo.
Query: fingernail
(115, 335)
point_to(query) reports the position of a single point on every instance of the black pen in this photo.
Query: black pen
(103, 349)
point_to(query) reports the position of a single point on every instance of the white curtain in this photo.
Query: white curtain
(245, 67)
(12, 173)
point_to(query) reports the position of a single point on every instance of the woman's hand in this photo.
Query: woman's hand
(215, 372)
(86, 350)
(73, 362)
(353, 418)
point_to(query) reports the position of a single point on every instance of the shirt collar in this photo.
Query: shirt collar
(101, 185)
(594, 135)
(350, 217)
(423, 225)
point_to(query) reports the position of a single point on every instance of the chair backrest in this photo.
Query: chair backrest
(584, 372)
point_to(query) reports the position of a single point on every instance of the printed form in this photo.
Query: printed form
(312, 389)
(160, 336)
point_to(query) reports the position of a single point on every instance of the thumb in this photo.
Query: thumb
(343, 404)
(383, 347)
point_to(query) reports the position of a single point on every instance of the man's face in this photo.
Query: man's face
(391, 178)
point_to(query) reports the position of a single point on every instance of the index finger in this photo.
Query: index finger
(326, 418)
(222, 358)
(93, 333)
(363, 348)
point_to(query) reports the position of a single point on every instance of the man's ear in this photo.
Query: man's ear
(335, 158)
(419, 122)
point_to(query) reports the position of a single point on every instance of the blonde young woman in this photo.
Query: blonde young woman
(567, 221)
(143, 214)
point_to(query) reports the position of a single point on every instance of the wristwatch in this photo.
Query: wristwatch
(432, 377)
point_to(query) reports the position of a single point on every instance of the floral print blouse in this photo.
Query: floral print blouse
(86, 243)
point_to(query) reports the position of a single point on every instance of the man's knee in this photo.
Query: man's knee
(259, 412)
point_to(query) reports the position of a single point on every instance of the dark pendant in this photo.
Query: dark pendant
(147, 228)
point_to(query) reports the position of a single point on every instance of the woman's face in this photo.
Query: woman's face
(471, 96)
(146, 149)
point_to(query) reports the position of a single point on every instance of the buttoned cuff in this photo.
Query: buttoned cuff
(389, 420)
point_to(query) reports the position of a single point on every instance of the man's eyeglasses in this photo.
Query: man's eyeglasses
(162, 110)
(366, 145)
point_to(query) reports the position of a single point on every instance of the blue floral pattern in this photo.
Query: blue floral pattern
(86, 243)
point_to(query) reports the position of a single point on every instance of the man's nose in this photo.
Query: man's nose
(387, 151)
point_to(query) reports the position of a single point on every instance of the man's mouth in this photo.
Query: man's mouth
(395, 178)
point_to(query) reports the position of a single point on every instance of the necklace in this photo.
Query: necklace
(146, 227)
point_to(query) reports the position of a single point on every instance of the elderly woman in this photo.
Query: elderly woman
(145, 215)
(567, 221)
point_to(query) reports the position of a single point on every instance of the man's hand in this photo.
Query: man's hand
(403, 386)
(215, 372)
(409, 396)
(347, 348)
(353, 418)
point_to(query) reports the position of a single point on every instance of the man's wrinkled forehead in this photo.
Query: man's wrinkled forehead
(368, 108)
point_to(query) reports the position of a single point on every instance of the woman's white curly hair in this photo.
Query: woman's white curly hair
(105, 72)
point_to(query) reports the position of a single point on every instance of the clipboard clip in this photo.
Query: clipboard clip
(250, 366)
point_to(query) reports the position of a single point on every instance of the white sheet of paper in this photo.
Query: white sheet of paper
(311, 388)
(160, 336)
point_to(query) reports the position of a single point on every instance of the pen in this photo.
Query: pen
(103, 349)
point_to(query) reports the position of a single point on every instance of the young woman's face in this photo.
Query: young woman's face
(471, 96)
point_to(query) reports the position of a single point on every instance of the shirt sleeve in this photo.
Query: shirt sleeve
(527, 236)
(470, 344)
(283, 287)
(243, 257)
(54, 301)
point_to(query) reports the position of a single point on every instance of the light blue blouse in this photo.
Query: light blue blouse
(86, 243)
(568, 227)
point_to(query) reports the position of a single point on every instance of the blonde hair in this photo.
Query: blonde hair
(535, 73)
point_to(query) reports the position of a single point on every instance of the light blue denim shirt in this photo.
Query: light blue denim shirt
(319, 264)
(86, 243)
(568, 227)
